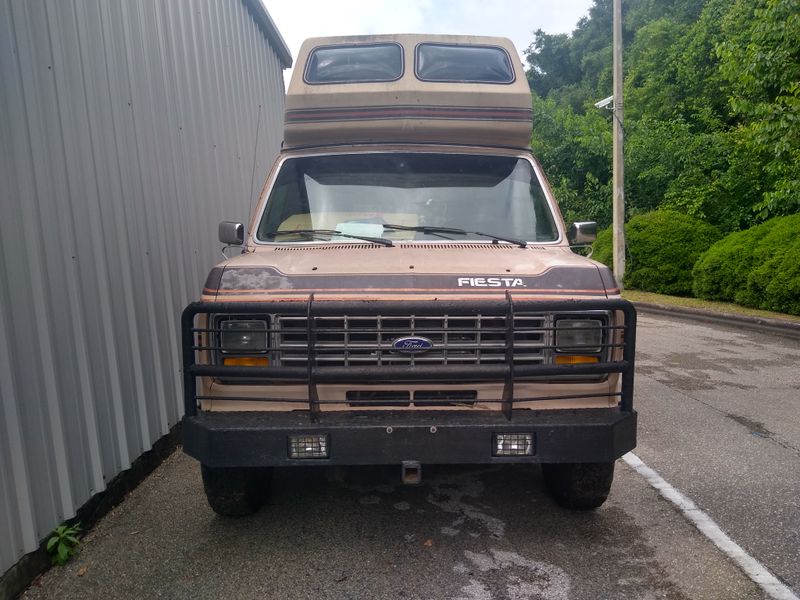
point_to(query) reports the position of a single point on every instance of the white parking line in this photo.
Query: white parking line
(752, 568)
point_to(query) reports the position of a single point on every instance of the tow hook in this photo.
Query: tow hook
(411, 472)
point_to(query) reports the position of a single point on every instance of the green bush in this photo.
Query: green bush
(662, 247)
(721, 272)
(603, 247)
(758, 267)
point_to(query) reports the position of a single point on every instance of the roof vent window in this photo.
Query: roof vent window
(359, 63)
(463, 64)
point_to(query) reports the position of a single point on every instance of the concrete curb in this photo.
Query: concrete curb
(785, 328)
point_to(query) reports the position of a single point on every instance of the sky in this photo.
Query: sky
(516, 19)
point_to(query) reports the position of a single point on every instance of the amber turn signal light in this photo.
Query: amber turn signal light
(246, 361)
(571, 359)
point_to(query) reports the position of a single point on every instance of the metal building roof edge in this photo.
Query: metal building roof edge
(270, 30)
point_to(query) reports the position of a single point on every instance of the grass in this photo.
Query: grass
(720, 307)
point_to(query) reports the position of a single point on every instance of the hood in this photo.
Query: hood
(416, 270)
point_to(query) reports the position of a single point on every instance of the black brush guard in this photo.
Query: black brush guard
(390, 436)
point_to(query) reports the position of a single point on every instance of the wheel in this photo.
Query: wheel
(235, 491)
(579, 486)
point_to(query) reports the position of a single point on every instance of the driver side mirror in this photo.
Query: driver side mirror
(582, 233)
(231, 234)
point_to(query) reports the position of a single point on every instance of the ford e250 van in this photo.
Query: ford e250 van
(406, 292)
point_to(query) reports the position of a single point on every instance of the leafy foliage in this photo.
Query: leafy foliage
(758, 267)
(712, 110)
(712, 134)
(578, 160)
(572, 67)
(63, 543)
(763, 68)
(662, 247)
(603, 247)
(721, 272)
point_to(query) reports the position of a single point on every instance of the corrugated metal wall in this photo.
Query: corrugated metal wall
(127, 132)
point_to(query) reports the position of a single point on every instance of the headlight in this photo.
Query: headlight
(243, 337)
(582, 336)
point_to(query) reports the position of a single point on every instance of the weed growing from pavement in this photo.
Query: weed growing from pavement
(63, 543)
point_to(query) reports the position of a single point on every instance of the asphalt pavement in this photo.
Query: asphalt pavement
(719, 418)
(467, 532)
(718, 414)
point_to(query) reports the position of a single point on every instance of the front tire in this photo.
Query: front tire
(579, 486)
(235, 491)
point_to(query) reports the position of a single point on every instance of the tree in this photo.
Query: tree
(762, 64)
(575, 151)
(712, 110)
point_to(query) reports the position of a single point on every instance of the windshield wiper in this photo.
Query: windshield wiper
(434, 230)
(331, 233)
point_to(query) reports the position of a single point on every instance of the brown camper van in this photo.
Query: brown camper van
(406, 292)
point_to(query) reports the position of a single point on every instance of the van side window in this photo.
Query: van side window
(464, 64)
(354, 64)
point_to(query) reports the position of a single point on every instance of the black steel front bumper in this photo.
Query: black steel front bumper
(235, 439)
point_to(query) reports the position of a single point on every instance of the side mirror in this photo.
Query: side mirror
(582, 233)
(231, 234)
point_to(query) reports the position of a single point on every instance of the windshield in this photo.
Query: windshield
(341, 196)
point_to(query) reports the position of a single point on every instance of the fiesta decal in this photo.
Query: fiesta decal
(509, 282)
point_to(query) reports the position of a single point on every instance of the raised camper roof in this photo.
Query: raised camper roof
(408, 88)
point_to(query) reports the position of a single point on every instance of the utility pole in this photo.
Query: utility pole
(618, 179)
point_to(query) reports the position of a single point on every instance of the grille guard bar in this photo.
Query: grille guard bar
(313, 374)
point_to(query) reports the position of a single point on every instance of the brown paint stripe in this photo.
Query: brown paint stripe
(414, 112)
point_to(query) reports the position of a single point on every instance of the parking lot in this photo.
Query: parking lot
(718, 421)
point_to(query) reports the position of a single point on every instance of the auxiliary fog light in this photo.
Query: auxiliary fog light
(513, 444)
(314, 445)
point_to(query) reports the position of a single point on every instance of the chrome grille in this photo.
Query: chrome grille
(457, 340)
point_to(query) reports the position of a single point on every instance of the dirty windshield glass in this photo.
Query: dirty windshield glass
(368, 194)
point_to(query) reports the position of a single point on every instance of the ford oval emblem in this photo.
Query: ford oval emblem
(412, 345)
